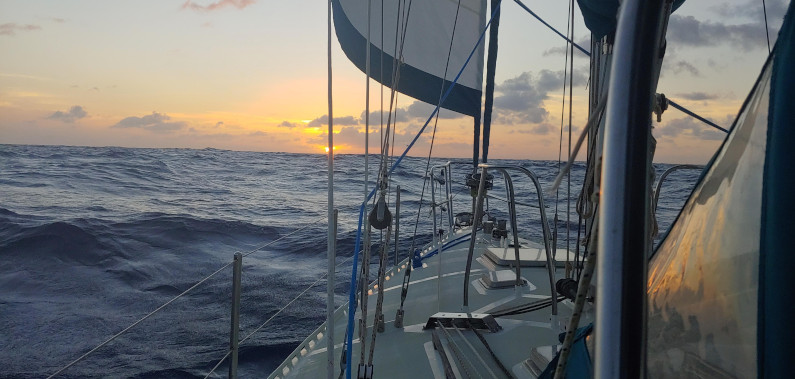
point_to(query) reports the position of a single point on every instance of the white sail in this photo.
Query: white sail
(429, 27)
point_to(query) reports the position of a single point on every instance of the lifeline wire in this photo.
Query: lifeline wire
(276, 314)
(174, 299)
(671, 102)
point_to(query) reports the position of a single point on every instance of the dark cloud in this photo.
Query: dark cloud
(540, 129)
(697, 96)
(375, 117)
(689, 31)
(691, 127)
(219, 124)
(679, 67)
(73, 114)
(520, 99)
(323, 120)
(258, 133)
(156, 122)
(220, 4)
(290, 125)
(11, 28)
(583, 41)
(752, 10)
(422, 110)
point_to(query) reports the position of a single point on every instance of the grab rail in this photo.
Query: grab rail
(544, 224)
(665, 174)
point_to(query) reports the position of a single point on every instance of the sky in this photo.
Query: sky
(251, 75)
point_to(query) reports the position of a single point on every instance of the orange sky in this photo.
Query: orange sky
(246, 75)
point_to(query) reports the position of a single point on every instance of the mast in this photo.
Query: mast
(491, 68)
(623, 220)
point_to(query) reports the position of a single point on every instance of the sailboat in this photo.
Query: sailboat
(712, 300)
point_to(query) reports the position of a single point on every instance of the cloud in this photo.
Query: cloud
(323, 120)
(697, 96)
(691, 127)
(520, 99)
(73, 114)
(583, 41)
(422, 110)
(375, 117)
(156, 122)
(679, 67)
(11, 28)
(219, 124)
(540, 129)
(290, 125)
(751, 10)
(220, 4)
(689, 31)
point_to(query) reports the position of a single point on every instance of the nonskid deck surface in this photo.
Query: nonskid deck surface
(409, 351)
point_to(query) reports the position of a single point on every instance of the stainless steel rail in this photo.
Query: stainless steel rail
(544, 224)
(665, 174)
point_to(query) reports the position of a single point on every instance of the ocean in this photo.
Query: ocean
(94, 238)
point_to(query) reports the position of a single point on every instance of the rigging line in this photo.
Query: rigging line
(671, 102)
(560, 139)
(379, 306)
(392, 169)
(366, 103)
(571, 105)
(125, 330)
(400, 30)
(767, 30)
(274, 316)
(218, 364)
(323, 276)
(397, 64)
(691, 114)
(594, 119)
(521, 4)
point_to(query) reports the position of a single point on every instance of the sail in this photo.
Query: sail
(600, 16)
(429, 27)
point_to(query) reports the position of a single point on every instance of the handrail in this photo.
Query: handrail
(544, 224)
(514, 224)
(665, 174)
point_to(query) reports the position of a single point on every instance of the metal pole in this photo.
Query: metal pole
(332, 255)
(397, 223)
(620, 325)
(475, 224)
(237, 269)
(331, 237)
(437, 240)
(449, 188)
(544, 227)
(514, 226)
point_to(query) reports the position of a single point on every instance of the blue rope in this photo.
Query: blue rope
(697, 117)
(673, 104)
(352, 296)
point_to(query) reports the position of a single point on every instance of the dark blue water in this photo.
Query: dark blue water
(92, 239)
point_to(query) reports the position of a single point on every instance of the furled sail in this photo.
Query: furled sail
(428, 27)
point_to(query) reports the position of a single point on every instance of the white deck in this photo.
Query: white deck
(409, 352)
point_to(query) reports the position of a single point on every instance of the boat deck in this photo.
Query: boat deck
(409, 351)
